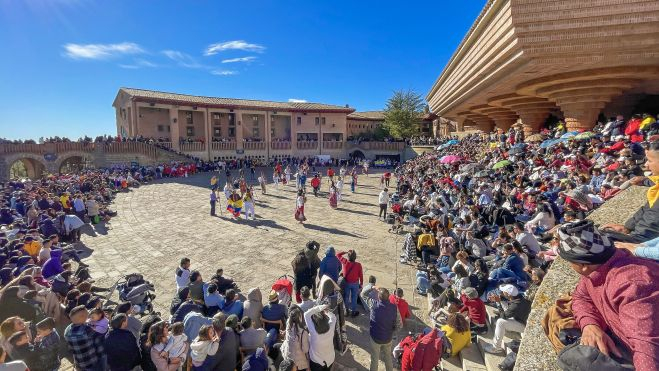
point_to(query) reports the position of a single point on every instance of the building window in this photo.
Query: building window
(322, 120)
(317, 120)
(188, 118)
(299, 120)
(256, 132)
(217, 132)
(161, 128)
(232, 132)
(255, 119)
(190, 131)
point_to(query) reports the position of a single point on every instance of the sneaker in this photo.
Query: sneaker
(489, 348)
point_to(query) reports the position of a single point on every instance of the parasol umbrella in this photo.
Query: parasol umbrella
(501, 164)
(569, 134)
(551, 142)
(482, 174)
(452, 142)
(516, 150)
(583, 136)
(535, 138)
(470, 167)
(450, 159)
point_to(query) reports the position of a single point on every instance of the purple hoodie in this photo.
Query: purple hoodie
(53, 266)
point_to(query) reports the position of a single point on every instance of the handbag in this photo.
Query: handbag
(342, 280)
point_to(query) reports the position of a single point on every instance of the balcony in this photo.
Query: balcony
(223, 146)
(332, 145)
(192, 147)
(254, 146)
(283, 145)
(307, 144)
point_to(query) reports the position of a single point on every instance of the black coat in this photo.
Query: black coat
(121, 350)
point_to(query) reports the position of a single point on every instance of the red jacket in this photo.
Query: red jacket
(632, 129)
(476, 309)
(403, 307)
(428, 352)
(352, 271)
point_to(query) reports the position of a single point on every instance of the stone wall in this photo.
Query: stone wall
(536, 352)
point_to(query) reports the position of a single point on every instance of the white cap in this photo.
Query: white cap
(509, 289)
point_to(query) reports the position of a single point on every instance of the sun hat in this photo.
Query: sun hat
(509, 289)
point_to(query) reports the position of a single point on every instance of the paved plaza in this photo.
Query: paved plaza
(159, 223)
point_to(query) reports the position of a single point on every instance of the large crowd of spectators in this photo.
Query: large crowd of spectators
(486, 217)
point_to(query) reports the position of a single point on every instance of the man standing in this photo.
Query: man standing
(384, 321)
(85, 344)
(383, 199)
(213, 202)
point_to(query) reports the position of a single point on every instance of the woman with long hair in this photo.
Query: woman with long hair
(333, 195)
(457, 331)
(295, 348)
(157, 341)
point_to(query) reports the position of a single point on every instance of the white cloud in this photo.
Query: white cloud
(182, 59)
(294, 100)
(100, 51)
(139, 63)
(233, 45)
(223, 72)
(242, 59)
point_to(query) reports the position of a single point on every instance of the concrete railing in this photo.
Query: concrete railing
(332, 145)
(130, 147)
(43, 148)
(280, 145)
(192, 147)
(254, 146)
(307, 144)
(223, 146)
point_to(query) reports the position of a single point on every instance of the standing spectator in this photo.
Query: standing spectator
(183, 274)
(85, 344)
(320, 322)
(354, 279)
(384, 321)
(330, 265)
(120, 345)
(383, 200)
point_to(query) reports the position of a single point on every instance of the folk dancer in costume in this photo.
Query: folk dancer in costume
(342, 171)
(315, 183)
(333, 195)
(275, 179)
(299, 206)
(330, 173)
(354, 181)
(243, 186)
(287, 174)
(248, 203)
(235, 204)
(262, 182)
(339, 188)
(365, 167)
(227, 189)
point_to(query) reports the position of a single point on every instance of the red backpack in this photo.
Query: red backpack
(429, 350)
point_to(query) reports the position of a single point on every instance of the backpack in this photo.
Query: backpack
(429, 349)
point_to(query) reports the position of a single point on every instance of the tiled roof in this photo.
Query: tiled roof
(184, 99)
(367, 115)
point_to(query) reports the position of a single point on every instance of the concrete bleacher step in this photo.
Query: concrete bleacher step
(490, 362)
(472, 359)
(452, 364)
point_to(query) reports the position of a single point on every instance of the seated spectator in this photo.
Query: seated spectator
(232, 305)
(457, 331)
(253, 306)
(474, 308)
(615, 300)
(250, 337)
(514, 310)
(273, 312)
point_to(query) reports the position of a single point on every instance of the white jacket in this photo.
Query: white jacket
(383, 199)
(321, 346)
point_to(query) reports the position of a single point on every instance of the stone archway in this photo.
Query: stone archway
(25, 166)
(73, 162)
(357, 154)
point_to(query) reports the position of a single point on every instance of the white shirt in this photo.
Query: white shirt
(528, 240)
(184, 279)
(383, 198)
(78, 204)
(321, 346)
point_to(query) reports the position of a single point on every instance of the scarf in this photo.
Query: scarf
(653, 192)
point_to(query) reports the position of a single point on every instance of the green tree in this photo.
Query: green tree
(402, 113)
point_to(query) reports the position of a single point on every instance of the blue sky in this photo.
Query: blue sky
(64, 60)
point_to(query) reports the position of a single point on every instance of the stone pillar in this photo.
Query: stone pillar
(581, 115)
(208, 134)
(239, 129)
(174, 128)
(460, 124)
(532, 120)
(504, 123)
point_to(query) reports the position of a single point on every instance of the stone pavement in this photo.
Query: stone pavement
(159, 223)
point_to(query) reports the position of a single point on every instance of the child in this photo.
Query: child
(204, 345)
(47, 345)
(176, 343)
(23, 350)
(97, 321)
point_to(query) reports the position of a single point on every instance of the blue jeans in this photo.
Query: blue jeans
(422, 282)
(501, 274)
(350, 296)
